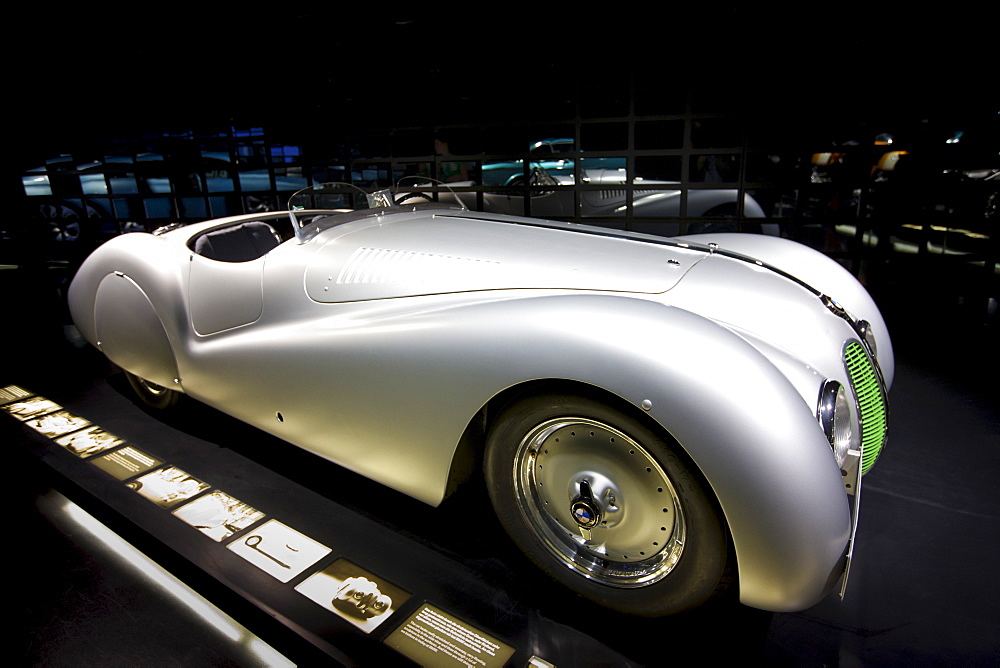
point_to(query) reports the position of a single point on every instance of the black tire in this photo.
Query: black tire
(153, 395)
(620, 515)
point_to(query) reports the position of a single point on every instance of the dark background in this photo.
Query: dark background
(338, 93)
(362, 87)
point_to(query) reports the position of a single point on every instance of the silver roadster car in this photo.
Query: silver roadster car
(656, 418)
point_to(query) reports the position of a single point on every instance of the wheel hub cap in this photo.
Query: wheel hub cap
(585, 511)
(599, 501)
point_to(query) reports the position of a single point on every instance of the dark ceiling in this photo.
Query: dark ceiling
(89, 75)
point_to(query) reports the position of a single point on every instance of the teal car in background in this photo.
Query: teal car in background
(545, 154)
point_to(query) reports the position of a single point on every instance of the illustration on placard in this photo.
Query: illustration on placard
(279, 550)
(218, 515)
(168, 486)
(353, 593)
(57, 424)
(29, 408)
(89, 441)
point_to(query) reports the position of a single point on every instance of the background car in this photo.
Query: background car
(604, 194)
(545, 154)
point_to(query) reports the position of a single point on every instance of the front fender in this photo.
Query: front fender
(742, 422)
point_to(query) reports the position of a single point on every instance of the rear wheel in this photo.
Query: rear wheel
(606, 505)
(151, 394)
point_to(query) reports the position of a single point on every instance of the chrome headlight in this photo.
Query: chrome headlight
(868, 336)
(837, 420)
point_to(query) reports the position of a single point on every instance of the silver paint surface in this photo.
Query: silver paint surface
(380, 339)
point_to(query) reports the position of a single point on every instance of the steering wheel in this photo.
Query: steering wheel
(403, 198)
(540, 177)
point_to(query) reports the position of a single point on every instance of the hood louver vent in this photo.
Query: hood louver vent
(376, 265)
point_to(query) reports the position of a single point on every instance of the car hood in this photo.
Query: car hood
(402, 255)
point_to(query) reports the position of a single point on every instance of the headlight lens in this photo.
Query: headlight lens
(835, 417)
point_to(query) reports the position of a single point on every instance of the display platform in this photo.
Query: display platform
(349, 569)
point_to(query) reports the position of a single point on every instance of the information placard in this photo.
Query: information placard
(432, 637)
(126, 462)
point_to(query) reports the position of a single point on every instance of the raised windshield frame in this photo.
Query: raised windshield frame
(424, 193)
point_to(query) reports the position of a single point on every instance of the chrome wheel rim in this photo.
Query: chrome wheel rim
(599, 501)
(153, 389)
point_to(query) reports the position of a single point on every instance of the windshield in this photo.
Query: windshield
(349, 202)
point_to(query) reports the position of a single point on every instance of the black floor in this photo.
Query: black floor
(922, 591)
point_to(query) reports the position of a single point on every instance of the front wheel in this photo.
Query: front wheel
(151, 394)
(606, 505)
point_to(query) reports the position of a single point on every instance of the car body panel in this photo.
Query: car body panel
(815, 269)
(213, 310)
(450, 252)
(382, 369)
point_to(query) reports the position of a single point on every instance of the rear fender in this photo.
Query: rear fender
(127, 299)
(130, 333)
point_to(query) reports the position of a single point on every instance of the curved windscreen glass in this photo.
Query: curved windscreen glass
(352, 203)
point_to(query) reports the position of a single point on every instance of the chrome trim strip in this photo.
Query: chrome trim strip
(854, 462)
